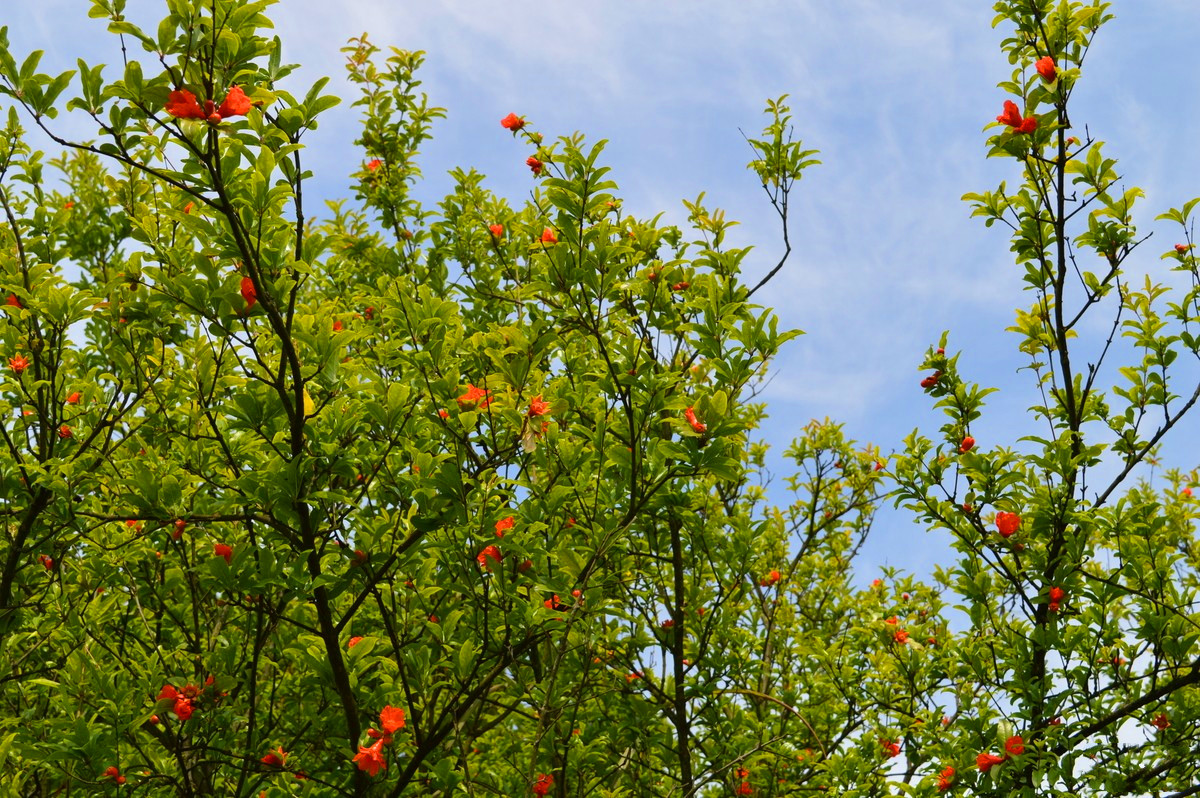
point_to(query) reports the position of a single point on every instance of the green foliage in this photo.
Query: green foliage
(269, 477)
(1070, 575)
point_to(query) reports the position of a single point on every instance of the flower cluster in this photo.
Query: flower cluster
(182, 104)
(370, 758)
(183, 702)
(1013, 746)
(771, 579)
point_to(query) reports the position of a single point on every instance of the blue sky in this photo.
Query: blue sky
(894, 95)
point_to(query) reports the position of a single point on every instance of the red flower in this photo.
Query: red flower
(901, 636)
(47, 561)
(891, 748)
(512, 122)
(1057, 594)
(1008, 524)
(892, 621)
(18, 363)
(68, 205)
(554, 603)
(1045, 68)
(1180, 248)
(391, 719)
(744, 789)
(188, 208)
(503, 524)
(443, 413)
(374, 164)
(946, 779)
(548, 236)
(337, 326)
(371, 759)
(968, 443)
(489, 552)
(771, 579)
(1012, 117)
(64, 432)
(276, 758)
(182, 104)
(497, 230)
(352, 642)
(931, 380)
(1014, 745)
(697, 425)
(73, 399)
(223, 550)
(236, 103)
(682, 285)
(248, 292)
(1161, 721)
(543, 784)
(538, 407)
(183, 708)
(985, 762)
(475, 396)
(16, 303)
(534, 165)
